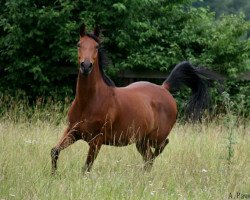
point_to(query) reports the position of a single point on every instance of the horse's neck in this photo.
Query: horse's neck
(90, 87)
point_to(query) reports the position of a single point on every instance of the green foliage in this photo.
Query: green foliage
(226, 6)
(237, 92)
(177, 32)
(34, 41)
(38, 40)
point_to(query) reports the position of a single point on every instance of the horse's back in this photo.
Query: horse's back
(148, 91)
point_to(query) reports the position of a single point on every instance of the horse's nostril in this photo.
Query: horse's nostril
(86, 67)
(86, 64)
(82, 64)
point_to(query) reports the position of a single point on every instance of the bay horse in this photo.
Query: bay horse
(142, 113)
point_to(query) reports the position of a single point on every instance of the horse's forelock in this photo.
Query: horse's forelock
(94, 37)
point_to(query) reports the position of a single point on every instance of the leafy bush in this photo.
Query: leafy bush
(177, 32)
(237, 92)
(38, 40)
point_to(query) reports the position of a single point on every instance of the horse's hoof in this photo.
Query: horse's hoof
(148, 166)
(53, 172)
(84, 171)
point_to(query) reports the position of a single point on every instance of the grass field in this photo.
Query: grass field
(204, 161)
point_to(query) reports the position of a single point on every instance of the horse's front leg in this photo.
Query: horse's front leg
(68, 138)
(94, 148)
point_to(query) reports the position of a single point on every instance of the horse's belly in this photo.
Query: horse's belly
(119, 143)
(126, 134)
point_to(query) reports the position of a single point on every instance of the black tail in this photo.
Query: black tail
(196, 79)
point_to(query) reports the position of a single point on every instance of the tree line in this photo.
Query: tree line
(38, 38)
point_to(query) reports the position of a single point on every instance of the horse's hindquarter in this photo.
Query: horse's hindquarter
(144, 110)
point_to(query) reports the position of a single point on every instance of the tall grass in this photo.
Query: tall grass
(196, 164)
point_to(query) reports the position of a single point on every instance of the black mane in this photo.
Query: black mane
(102, 58)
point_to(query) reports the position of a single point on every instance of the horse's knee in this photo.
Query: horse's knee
(167, 141)
(160, 148)
(54, 153)
(163, 144)
(54, 156)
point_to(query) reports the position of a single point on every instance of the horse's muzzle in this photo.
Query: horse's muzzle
(86, 67)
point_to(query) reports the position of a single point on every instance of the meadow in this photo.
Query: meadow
(202, 161)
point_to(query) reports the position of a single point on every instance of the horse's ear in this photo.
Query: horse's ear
(97, 31)
(82, 30)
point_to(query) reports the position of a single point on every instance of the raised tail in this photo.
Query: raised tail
(196, 79)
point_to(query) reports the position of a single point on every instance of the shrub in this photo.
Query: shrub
(38, 40)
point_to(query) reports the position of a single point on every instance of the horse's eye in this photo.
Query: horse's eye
(78, 44)
(97, 46)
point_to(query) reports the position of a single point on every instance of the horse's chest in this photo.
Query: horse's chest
(86, 114)
(89, 122)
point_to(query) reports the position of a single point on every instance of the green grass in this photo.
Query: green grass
(194, 165)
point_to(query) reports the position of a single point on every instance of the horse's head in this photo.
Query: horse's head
(88, 49)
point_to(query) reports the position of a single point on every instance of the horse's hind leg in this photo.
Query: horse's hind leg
(67, 139)
(145, 150)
